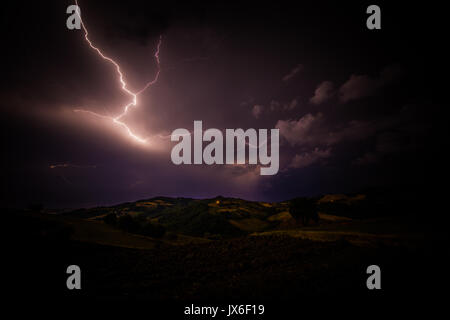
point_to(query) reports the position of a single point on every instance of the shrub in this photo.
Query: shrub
(127, 223)
(110, 219)
(304, 209)
(154, 230)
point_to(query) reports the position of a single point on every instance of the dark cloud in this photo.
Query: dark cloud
(361, 86)
(291, 105)
(274, 105)
(309, 158)
(393, 138)
(324, 92)
(293, 73)
(313, 130)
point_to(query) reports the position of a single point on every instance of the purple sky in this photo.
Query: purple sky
(350, 103)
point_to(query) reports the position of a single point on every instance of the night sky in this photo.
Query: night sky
(356, 108)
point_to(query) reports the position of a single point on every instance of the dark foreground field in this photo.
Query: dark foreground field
(226, 251)
(249, 268)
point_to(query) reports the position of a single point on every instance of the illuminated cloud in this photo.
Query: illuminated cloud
(69, 165)
(257, 110)
(298, 131)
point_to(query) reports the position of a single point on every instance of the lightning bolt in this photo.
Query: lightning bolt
(133, 103)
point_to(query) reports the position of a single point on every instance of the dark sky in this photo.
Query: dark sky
(356, 108)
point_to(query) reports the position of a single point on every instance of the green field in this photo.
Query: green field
(222, 248)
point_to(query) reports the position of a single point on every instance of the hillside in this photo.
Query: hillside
(184, 220)
(178, 248)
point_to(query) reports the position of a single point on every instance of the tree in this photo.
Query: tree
(304, 209)
(154, 230)
(127, 223)
(110, 219)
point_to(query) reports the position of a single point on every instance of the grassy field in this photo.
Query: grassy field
(220, 249)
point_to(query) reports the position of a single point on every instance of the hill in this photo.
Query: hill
(177, 220)
(179, 248)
